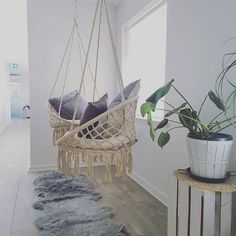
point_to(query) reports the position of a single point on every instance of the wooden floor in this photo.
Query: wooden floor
(139, 211)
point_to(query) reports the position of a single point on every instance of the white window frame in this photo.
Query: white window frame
(148, 9)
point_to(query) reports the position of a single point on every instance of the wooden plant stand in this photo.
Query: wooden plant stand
(201, 209)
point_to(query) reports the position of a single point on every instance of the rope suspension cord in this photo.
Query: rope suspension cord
(86, 62)
(81, 65)
(63, 59)
(118, 70)
(84, 53)
(69, 44)
(76, 9)
(98, 47)
(67, 68)
(80, 41)
(121, 83)
(76, 16)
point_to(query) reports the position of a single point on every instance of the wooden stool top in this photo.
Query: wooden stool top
(228, 186)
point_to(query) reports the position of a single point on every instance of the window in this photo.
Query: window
(144, 52)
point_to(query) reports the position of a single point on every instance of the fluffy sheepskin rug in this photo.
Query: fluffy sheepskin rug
(69, 207)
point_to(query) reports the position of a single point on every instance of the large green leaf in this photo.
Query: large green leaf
(163, 139)
(216, 100)
(175, 110)
(162, 124)
(183, 117)
(146, 108)
(159, 93)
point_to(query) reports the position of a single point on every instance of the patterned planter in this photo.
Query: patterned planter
(209, 158)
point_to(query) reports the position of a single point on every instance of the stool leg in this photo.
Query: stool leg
(233, 217)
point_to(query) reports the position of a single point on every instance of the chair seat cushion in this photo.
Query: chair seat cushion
(101, 144)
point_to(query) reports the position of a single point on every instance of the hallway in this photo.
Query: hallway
(141, 213)
(16, 194)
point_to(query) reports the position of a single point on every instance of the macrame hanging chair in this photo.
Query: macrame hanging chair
(107, 138)
(59, 124)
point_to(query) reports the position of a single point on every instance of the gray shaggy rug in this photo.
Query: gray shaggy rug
(69, 208)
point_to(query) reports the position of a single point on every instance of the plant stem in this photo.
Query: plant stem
(233, 85)
(190, 118)
(217, 131)
(220, 79)
(233, 93)
(202, 105)
(221, 113)
(177, 127)
(223, 121)
(160, 109)
(229, 119)
(167, 103)
(182, 96)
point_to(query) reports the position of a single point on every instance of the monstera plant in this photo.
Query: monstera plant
(202, 135)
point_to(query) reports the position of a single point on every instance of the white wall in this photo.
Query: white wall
(196, 30)
(4, 98)
(50, 22)
(13, 48)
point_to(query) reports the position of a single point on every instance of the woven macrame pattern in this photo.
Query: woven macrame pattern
(60, 126)
(107, 138)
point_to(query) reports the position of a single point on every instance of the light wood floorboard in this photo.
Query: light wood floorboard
(142, 214)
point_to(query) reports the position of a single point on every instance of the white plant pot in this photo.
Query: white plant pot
(209, 158)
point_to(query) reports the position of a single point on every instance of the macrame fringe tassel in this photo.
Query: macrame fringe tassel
(108, 178)
(90, 165)
(58, 133)
(54, 137)
(77, 164)
(69, 161)
(130, 161)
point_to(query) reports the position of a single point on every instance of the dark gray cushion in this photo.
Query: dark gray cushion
(68, 108)
(55, 102)
(129, 91)
(93, 110)
(68, 105)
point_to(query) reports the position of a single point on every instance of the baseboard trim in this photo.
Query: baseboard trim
(41, 168)
(159, 195)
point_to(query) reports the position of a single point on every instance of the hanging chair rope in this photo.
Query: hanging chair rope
(98, 46)
(75, 27)
(100, 3)
(81, 65)
(66, 73)
(84, 53)
(76, 9)
(118, 70)
(86, 62)
(63, 59)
